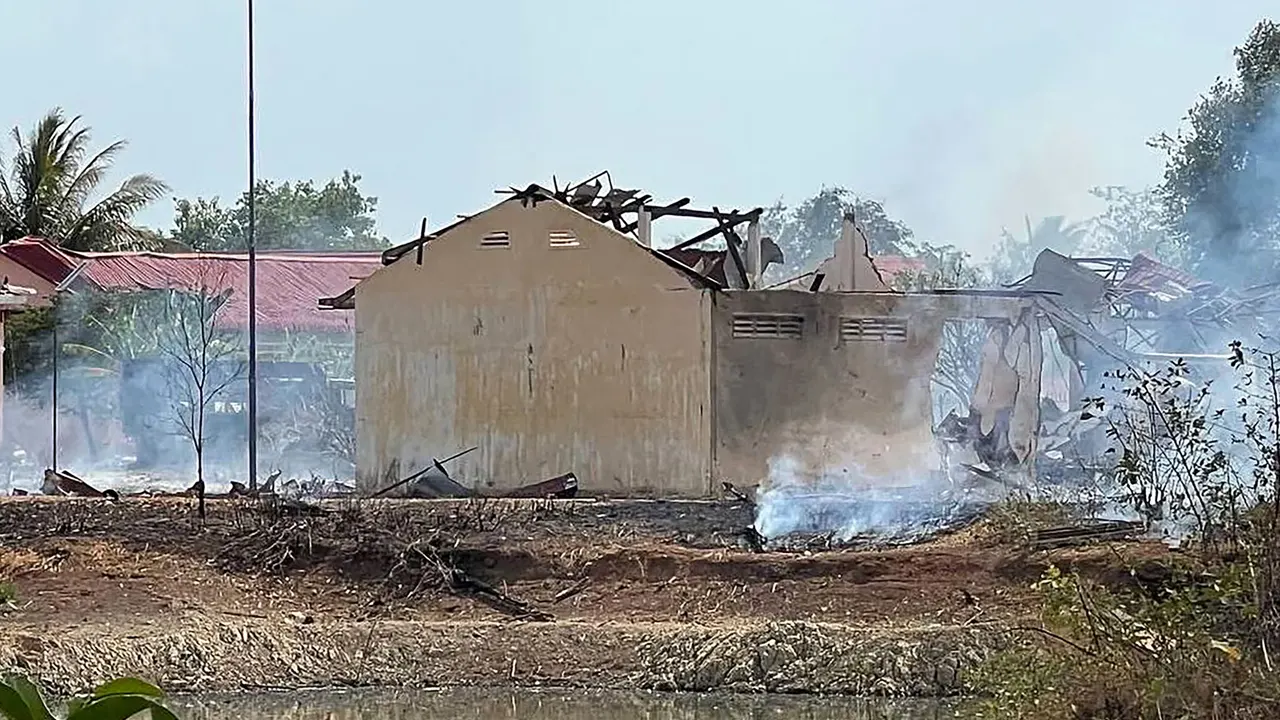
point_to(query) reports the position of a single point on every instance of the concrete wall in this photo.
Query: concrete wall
(592, 359)
(840, 403)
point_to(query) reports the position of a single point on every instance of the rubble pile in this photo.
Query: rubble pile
(1028, 425)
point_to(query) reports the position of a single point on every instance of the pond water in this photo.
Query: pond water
(500, 704)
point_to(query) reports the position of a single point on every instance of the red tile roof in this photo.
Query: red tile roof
(289, 283)
(891, 266)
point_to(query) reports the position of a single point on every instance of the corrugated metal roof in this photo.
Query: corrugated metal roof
(289, 283)
(40, 258)
(1165, 282)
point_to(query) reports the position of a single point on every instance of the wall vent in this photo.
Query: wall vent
(498, 239)
(873, 329)
(562, 239)
(767, 325)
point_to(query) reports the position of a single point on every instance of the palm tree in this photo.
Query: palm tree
(47, 187)
(1015, 256)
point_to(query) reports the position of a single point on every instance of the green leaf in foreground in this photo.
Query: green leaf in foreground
(121, 707)
(12, 706)
(30, 694)
(128, 686)
(118, 699)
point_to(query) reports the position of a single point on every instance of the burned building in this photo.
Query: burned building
(548, 332)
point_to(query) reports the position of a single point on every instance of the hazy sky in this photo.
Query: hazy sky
(961, 117)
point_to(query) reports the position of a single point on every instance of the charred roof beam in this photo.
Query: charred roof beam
(631, 227)
(714, 214)
(733, 242)
(719, 229)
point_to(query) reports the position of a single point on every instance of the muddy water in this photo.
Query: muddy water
(497, 704)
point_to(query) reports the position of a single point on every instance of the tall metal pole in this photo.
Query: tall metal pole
(253, 282)
(55, 384)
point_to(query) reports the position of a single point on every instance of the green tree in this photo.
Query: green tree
(1221, 187)
(46, 190)
(955, 374)
(289, 216)
(945, 266)
(807, 232)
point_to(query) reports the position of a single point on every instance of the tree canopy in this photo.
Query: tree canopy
(1221, 187)
(48, 184)
(1132, 222)
(288, 216)
(806, 232)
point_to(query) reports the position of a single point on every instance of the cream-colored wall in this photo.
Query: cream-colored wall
(590, 359)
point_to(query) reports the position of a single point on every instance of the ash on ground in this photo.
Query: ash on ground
(832, 513)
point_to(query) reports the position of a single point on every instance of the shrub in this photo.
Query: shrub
(1194, 634)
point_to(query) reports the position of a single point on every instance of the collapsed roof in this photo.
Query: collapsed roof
(1142, 305)
(630, 212)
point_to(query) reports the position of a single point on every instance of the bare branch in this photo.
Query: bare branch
(198, 351)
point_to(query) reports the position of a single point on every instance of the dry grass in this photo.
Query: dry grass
(240, 654)
(367, 592)
(18, 562)
(1013, 522)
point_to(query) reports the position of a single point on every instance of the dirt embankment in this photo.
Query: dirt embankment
(599, 594)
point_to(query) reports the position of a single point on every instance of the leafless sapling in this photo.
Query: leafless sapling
(203, 359)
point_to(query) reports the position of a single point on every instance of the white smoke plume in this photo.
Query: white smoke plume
(846, 503)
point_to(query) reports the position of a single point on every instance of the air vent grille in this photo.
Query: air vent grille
(496, 240)
(562, 239)
(873, 329)
(756, 325)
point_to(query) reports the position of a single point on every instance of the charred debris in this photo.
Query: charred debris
(1030, 430)
(1086, 318)
(432, 482)
(740, 265)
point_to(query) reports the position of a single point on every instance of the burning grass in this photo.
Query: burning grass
(822, 522)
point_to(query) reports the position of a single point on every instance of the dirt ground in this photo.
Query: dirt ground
(142, 567)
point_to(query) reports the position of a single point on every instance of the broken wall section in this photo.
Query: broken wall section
(831, 380)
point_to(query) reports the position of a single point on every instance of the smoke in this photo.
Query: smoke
(1236, 215)
(885, 478)
(847, 503)
(28, 433)
(1194, 463)
(126, 392)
